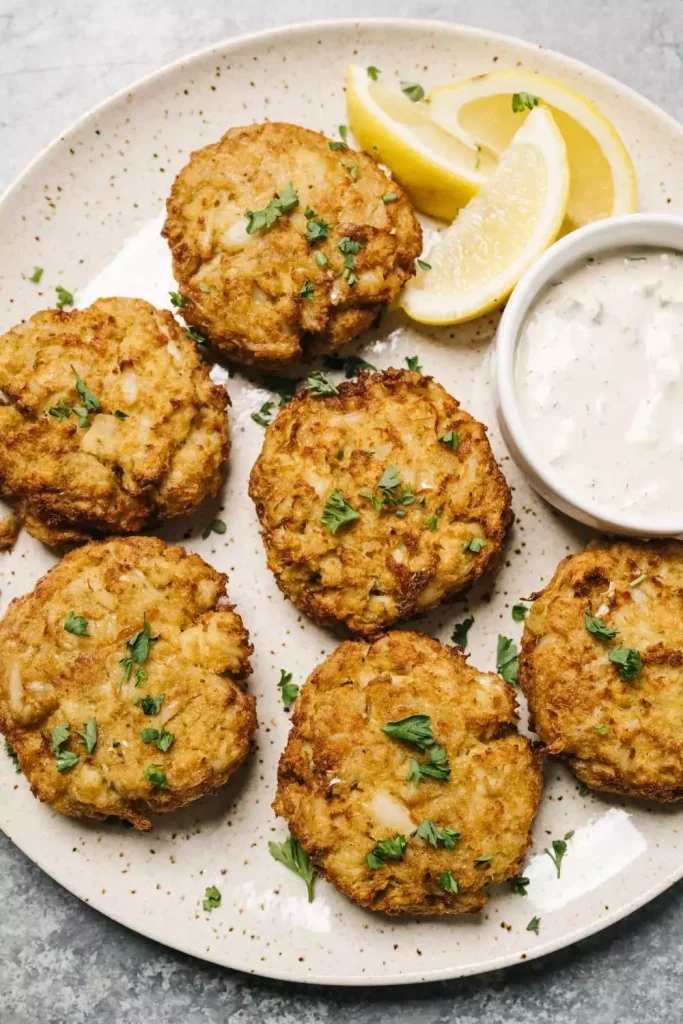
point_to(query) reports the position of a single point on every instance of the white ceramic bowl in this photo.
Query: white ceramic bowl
(639, 229)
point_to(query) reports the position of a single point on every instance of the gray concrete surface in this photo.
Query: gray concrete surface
(62, 962)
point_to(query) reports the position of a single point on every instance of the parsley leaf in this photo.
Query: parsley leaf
(451, 439)
(60, 411)
(319, 385)
(338, 145)
(428, 831)
(120, 415)
(389, 197)
(155, 774)
(559, 849)
(474, 544)
(212, 898)
(598, 628)
(343, 131)
(178, 300)
(436, 766)
(293, 857)
(386, 849)
(448, 882)
(338, 512)
(460, 631)
(89, 735)
(533, 925)
(64, 298)
(485, 859)
(352, 169)
(65, 759)
(316, 231)
(91, 403)
(76, 624)
(602, 730)
(36, 275)
(215, 526)
(307, 290)
(413, 90)
(638, 580)
(423, 265)
(11, 752)
(413, 363)
(162, 740)
(284, 386)
(519, 612)
(433, 521)
(139, 647)
(321, 259)
(629, 661)
(519, 884)
(351, 365)
(197, 335)
(283, 202)
(523, 101)
(262, 417)
(415, 729)
(373, 72)
(150, 705)
(391, 492)
(507, 660)
(288, 689)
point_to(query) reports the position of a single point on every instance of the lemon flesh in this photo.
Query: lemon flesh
(479, 112)
(439, 172)
(516, 215)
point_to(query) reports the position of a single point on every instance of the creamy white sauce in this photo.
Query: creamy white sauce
(599, 380)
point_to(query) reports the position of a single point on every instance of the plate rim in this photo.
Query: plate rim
(233, 43)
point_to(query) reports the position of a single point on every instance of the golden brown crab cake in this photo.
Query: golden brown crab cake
(121, 681)
(286, 243)
(378, 501)
(602, 667)
(404, 778)
(113, 422)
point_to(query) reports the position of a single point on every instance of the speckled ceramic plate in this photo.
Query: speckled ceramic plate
(89, 211)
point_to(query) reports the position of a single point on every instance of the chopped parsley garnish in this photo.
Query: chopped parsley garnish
(90, 401)
(448, 882)
(343, 132)
(307, 290)
(64, 298)
(288, 689)
(423, 265)
(197, 335)
(316, 231)
(602, 730)
(485, 859)
(215, 526)
(598, 628)
(204, 287)
(460, 631)
(162, 740)
(283, 202)
(392, 494)
(351, 365)
(319, 385)
(178, 300)
(389, 197)
(293, 857)
(519, 884)
(386, 849)
(523, 101)
(89, 735)
(629, 661)
(212, 898)
(60, 411)
(519, 612)
(533, 925)
(638, 580)
(139, 647)
(284, 386)
(413, 363)
(321, 259)
(150, 705)
(65, 759)
(338, 512)
(436, 766)
(559, 849)
(309, 212)
(413, 90)
(432, 521)
(76, 624)
(341, 146)
(11, 753)
(451, 439)
(474, 544)
(373, 72)
(120, 415)
(352, 169)
(507, 660)
(36, 275)
(428, 831)
(415, 729)
(155, 774)
(262, 417)
(350, 248)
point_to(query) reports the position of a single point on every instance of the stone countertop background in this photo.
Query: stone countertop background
(61, 961)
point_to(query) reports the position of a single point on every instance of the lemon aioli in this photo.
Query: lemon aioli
(599, 379)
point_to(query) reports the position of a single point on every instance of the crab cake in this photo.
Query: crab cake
(404, 778)
(378, 501)
(121, 681)
(286, 243)
(112, 424)
(602, 667)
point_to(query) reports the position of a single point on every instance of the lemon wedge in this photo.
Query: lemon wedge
(479, 112)
(515, 216)
(440, 173)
